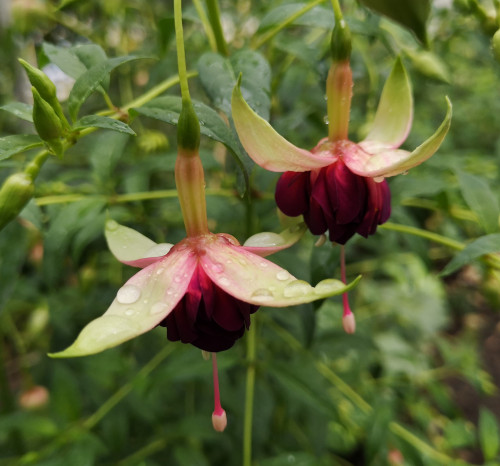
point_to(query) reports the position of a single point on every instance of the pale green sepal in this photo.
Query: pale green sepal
(267, 242)
(129, 246)
(265, 146)
(141, 304)
(371, 160)
(395, 110)
(252, 279)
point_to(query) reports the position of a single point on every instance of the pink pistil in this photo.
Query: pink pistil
(219, 419)
(348, 320)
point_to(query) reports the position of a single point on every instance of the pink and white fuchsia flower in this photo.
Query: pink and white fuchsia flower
(339, 185)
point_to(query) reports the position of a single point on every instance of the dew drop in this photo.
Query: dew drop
(177, 279)
(158, 250)
(378, 179)
(329, 285)
(160, 271)
(128, 294)
(282, 275)
(224, 281)
(217, 268)
(265, 239)
(158, 308)
(263, 264)
(326, 120)
(130, 312)
(170, 291)
(297, 288)
(111, 225)
(262, 295)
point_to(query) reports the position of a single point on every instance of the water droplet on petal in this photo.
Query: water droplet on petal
(330, 285)
(170, 291)
(297, 288)
(282, 275)
(378, 179)
(130, 312)
(111, 225)
(218, 268)
(224, 281)
(160, 271)
(262, 295)
(177, 279)
(128, 294)
(265, 239)
(263, 264)
(158, 250)
(158, 308)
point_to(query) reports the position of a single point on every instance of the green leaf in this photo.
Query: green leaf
(481, 200)
(10, 145)
(91, 79)
(65, 59)
(319, 16)
(218, 76)
(20, 110)
(485, 245)
(98, 121)
(489, 434)
(412, 14)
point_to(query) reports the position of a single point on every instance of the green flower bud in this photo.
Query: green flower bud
(47, 123)
(188, 127)
(39, 80)
(495, 45)
(340, 45)
(15, 193)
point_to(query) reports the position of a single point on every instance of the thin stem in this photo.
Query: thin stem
(269, 35)
(217, 406)
(181, 54)
(206, 24)
(337, 11)
(249, 394)
(215, 22)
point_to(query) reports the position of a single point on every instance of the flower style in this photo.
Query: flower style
(339, 185)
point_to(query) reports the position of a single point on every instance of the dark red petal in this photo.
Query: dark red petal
(226, 312)
(291, 194)
(348, 190)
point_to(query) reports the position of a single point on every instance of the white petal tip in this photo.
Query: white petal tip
(219, 421)
(349, 323)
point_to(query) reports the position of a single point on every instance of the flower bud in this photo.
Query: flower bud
(219, 421)
(40, 81)
(15, 193)
(188, 128)
(47, 123)
(340, 45)
(349, 323)
(35, 398)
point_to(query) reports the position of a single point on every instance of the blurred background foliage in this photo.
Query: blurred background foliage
(418, 382)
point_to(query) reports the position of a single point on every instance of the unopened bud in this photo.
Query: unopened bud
(340, 45)
(34, 398)
(188, 127)
(40, 81)
(495, 45)
(47, 123)
(219, 421)
(15, 193)
(349, 323)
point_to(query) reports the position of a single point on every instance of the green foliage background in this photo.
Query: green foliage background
(417, 383)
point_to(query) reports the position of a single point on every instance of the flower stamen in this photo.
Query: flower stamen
(348, 320)
(219, 419)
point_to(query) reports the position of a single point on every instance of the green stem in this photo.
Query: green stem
(270, 34)
(181, 54)
(337, 11)
(206, 25)
(424, 234)
(249, 394)
(214, 18)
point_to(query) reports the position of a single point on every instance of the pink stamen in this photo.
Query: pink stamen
(348, 320)
(219, 419)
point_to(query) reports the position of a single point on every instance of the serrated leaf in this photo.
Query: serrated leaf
(481, 200)
(11, 145)
(20, 110)
(98, 121)
(485, 245)
(412, 14)
(489, 434)
(91, 79)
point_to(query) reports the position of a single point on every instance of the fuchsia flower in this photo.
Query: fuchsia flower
(339, 185)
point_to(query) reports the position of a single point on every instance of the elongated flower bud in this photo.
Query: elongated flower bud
(188, 128)
(15, 193)
(340, 45)
(47, 123)
(40, 81)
